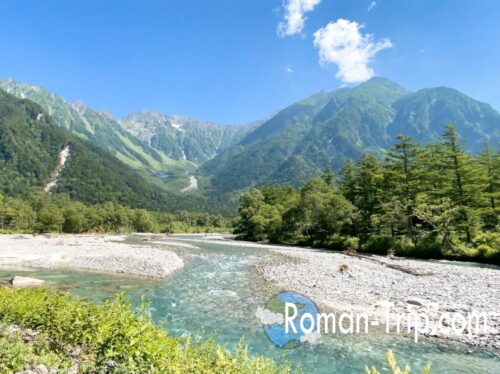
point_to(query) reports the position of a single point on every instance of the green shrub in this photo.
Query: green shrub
(403, 246)
(488, 246)
(16, 354)
(428, 246)
(341, 243)
(379, 244)
(489, 253)
(111, 334)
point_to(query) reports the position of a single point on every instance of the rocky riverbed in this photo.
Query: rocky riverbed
(374, 284)
(99, 253)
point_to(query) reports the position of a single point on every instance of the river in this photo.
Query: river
(218, 292)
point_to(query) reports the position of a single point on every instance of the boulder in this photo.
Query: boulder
(18, 281)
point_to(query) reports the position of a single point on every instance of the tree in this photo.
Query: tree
(50, 218)
(464, 182)
(367, 195)
(322, 210)
(490, 161)
(250, 203)
(74, 220)
(142, 221)
(328, 176)
(349, 180)
(403, 181)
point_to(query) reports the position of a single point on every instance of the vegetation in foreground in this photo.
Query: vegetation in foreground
(436, 201)
(60, 332)
(57, 213)
(43, 327)
(394, 368)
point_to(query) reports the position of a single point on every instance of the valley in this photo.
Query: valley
(288, 147)
(259, 187)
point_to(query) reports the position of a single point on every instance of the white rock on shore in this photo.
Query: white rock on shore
(100, 253)
(18, 281)
(370, 286)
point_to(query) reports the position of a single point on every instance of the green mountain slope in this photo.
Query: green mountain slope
(264, 150)
(328, 128)
(103, 131)
(30, 145)
(164, 149)
(419, 114)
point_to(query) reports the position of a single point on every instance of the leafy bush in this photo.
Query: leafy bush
(428, 246)
(489, 253)
(488, 246)
(379, 244)
(16, 354)
(112, 337)
(403, 246)
(341, 243)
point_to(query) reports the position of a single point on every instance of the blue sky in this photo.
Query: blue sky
(224, 60)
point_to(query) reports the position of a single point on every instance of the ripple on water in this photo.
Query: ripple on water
(219, 292)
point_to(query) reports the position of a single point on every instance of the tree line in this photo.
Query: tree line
(432, 201)
(41, 213)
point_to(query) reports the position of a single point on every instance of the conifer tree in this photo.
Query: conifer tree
(403, 177)
(464, 181)
(369, 179)
(490, 161)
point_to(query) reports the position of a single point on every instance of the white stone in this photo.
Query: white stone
(18, 281)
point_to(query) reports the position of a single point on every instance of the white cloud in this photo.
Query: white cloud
(294, 16)
(288, 69)
(268, 317)
(343, 44)
(372, 5)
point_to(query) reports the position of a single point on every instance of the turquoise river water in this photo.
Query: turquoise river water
(218, 293)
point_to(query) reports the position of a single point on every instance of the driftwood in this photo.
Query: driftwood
(343, 268)
(407, 270)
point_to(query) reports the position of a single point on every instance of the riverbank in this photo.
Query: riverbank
(339, 282)
(99, 253)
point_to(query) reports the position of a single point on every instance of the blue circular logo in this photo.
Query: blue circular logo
(289, 320)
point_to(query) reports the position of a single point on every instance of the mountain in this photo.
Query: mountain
(328, 128)
(31, 145)
(164, 149)
(209, 163)
(182, 137)
(98, 127)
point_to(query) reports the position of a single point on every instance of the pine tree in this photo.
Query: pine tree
(403, 179)
(348, 181)
(367, 195)
(328, 176)
(464, 181)
(490, 161)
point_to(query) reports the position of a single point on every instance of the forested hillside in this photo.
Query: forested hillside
(29, 151)
(98, 127)
(432, 201)
(163, 148)
(327, 129)
(291, 146)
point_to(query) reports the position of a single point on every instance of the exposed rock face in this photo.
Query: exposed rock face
(18, 281)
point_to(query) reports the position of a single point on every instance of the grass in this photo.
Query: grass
(108, 337)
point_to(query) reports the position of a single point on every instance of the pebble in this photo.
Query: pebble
(456, 288)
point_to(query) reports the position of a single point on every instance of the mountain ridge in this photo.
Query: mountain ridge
(327, 128)
(290, 146)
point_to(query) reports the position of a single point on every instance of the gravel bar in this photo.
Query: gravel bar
(99, 253)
